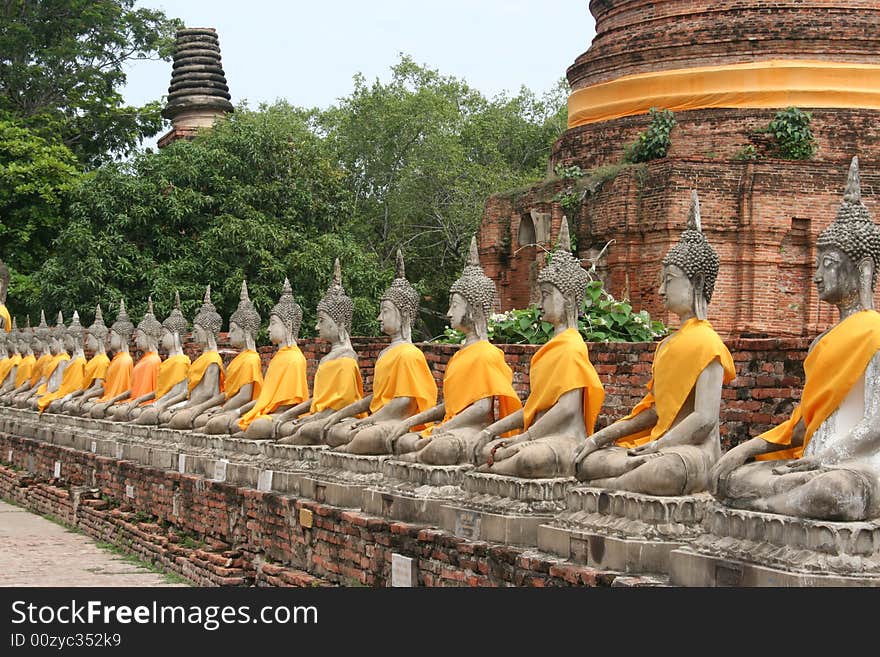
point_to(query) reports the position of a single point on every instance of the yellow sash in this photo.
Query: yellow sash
(49, 369)
(200, 366)
(7, 320)
(402, 371)
(6, 366)
(245, 368)
(172, 371)
(831, 369)
(285, 385)
(561, 365)
(337, 384)
(678, 362)
(39, 367)
(25, 369)
(96, 369)
(145, 375)
(71, 381)
(118, 378)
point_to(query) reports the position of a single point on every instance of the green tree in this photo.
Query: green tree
(260, 195)
(62, 66)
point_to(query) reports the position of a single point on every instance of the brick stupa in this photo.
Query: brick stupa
(725, 67)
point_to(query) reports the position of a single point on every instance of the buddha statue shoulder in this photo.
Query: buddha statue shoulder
(94, 371)
(565, 392)
(117, 383)
(824, 461)
(9, 348)
(55, 366)
(671, 439)
(5, 319)
(337, 381)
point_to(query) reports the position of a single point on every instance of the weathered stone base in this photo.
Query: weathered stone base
(414, 492)
(747, 548)
(504, 509)
(340, 478)
(622, 531)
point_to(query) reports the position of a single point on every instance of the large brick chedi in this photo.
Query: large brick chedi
(724, 68)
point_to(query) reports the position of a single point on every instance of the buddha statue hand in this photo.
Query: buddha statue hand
(648, 449)
(483, 439)
(590, 445)
(803, 464)
(396, 434)
(729, 462)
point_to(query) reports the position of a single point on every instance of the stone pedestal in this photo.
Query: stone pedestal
(414, 492)
(627, 532)
(747, 548)
(504, 509)
(340, 478)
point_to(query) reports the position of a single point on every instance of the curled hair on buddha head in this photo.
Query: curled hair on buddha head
(288, 310)
(14, 336)
(474, 286)
(207, 317)
(694, 255)
(75, 330)
(59, 330)
(123, 326)
(564, 271)
(176, 322)
(41, 332)
(336, 303)
(149, 325)
(402, 294)
(98, 329)
(246, 316)
(853, 231)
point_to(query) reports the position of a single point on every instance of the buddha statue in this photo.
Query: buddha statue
(824, 461)
(671, 439)
(39, 342)
(73, 376)
(565, 392)
(94, 373)
(403, 385)
(5, 319)
(244, 376)
(285, 384)
(25, 369)
(338, 380)
(173, 377)
(205, 382)
(118, 381)
(144, 374)
(55, 366)
(475, 377)
(11, 358)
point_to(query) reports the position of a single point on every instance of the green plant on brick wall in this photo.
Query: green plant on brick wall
(792, 135)
(747, 152)
(654, 142)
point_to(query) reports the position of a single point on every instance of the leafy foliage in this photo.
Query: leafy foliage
(654, 142)
(791, 132)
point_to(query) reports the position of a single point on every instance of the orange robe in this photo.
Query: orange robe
(25, 369)
(145, 375)
(678, 362)
(402, 371)
(338, 383)
(172, 371)
(200, 366)
(285, 385)
(6, 366)
(71, 381)
(7, 320)
(118, 378)
(245, 368)
(40, 367)
(50, 368)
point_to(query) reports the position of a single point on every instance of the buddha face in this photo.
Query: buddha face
(200, 335)
(676, 290)
(117, 342)
(92, 342)
(326, 327)
(459, 313)
(55, 346)
(236, 335)
(836, 277)
(551, 304)
(167, 339)
(142, 340)
(277, 330)
(389, 318)
(69, 342)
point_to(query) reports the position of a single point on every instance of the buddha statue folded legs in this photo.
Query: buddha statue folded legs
(824, 462)
(670, 441)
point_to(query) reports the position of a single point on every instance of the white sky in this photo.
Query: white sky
(308, 51)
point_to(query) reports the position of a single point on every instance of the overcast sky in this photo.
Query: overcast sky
(308, 51)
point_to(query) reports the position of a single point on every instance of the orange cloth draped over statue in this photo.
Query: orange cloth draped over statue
(7, 320)
(172, 371)
(678, 362)
(200, 366)
(71, 381)
(7, 364)
(338, 383)
(49, 369)
(285, 385)
(402, 371)
(831, 369)
(40, 367)
(118, 377)
(561, 365)
(25, 369)
(145, 375)
(244, 368)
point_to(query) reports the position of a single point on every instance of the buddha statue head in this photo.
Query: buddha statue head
(41, 334)
(96, 336)
(149, 330)
(56, 335)
(174, 326)
(73, 336)
(472, 297)
(335, 310)
(121, 330)
(26, 337)
(399, 305)
(207, 323)
(244, 323)
(14, 342)
(562, 283)
(690, 269)
(285, 318)
(848, 252)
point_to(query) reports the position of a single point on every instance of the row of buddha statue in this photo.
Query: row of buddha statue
(824, 462)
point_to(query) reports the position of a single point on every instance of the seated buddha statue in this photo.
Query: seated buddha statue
(244, 376)
(25, 368)
(173, 376)
(205, 381)
(403, 385)
(40, 343)
(9, 348)
(475, 377)
(671, 439)
(118, 381)
(144, 374)
(55, 366)
(824, 461)
(94, 373)
(338, 380)
(565, 392)
(72, 377)
(285, 384)
(5, 319)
